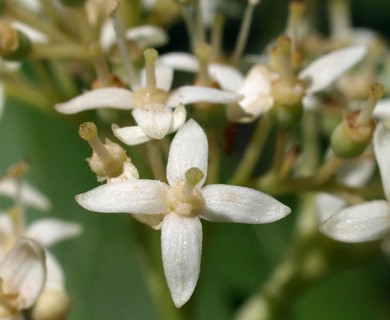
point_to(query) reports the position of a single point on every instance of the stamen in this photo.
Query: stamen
(202, 52)
(376, 92)
(296, 10)
(7, 302)
(150, 55)
(113, 167)
(216, 37)
(121, 40)
(193, 177)
(285, 56)
(244, 31)
(340, 18)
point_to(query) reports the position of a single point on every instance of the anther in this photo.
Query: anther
(376, 92)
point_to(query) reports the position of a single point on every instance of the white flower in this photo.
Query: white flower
(22, 276)
(156, 111)
(370, 220)
(183, 201)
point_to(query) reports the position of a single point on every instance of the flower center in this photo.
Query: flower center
(185, 198)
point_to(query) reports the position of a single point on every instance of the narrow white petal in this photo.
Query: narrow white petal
(382, 110)
(154, 120)
(327, 205)
(137, 196)
(180, 61)
(181, 246)
(189, 148)
(147, 36)
(51, 230)
(381, 143)
(29, 195)
(164, 76)
(364, 222)
(55, 279)
(227, 77)
(130, 135)
(33, 34)
(326, 69)
(117, 98)
(224, 203)
(107, 35)
(356, 172)
(256, 90)
(193, 94)
(23, 270)
(364, 36)
(179, 117)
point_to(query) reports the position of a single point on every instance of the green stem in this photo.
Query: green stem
(155, 160)
(214, 156)
(252, 152)
(61, 51)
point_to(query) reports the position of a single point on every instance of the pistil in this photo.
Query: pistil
(376, 92)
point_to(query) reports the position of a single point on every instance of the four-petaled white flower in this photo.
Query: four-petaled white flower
(157, 111)
(183, 201)
(22, 277)
(370, 220)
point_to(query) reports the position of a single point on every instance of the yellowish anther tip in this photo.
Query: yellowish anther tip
(150, 55)
(203, 51)
(88, 131)
(284, 43)
(194, 175)
(377, 90)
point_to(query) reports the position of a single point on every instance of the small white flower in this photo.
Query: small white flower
(182, 202)
(22, 276)
(370, 220)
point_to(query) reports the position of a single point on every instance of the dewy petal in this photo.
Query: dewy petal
(189, 149)
(364, 222)
(193, 94)
(23, 270)
(227, 77)
(154, 120)
(117, 98)
(147, 36)
(326, 69)
(381, 143)
(181, 244)
(224, 203)
(180, 61)
(29, 195)
(137, 196)
(256, 90)
(164, 76)
(130, 135)
(51, 230)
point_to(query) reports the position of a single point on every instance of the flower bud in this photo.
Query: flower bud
(51, 305)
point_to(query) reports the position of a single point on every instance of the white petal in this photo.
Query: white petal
(364, 222)
(327, 205)
(181, 245)
(180, 61)
(179, 117)
(256, 90)
(164, 76)
(189, 149)
(117, 98)
(154, 120)
(147, 36)
(382, 154)
(224, 203)
(382, 111)
(23, 270)
(356, 172)
(31, 33)
(227, 77)
(193, 94)
(51, 230)
(130, 135)
(137, 196)
(29, 195)
(107, 35)
(55, 279)
(326, 69)
(364, 36)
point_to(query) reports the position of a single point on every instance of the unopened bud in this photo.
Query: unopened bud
(51, 305)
